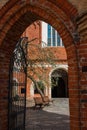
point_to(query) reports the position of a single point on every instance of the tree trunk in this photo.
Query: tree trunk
(39, 90)
(37, 87)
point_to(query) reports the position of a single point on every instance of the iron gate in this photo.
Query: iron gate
(17, 90)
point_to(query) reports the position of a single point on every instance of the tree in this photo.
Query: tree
(34, 59)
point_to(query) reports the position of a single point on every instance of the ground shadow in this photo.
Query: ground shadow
(39, 119)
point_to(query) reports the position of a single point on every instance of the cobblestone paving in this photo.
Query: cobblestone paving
(52, 117)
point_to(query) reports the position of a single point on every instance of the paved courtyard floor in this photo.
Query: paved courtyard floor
(52, 117)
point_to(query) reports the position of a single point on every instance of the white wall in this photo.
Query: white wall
(44, 34)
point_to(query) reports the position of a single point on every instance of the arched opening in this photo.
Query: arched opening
(36, 94)
(59, 83)
(22, 15)
(40, 84)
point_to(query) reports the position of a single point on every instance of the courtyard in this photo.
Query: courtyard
(52, 117)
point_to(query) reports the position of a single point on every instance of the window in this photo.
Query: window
(53, 37)
(50, 36)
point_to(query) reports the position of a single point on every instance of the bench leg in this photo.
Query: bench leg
(40, 106)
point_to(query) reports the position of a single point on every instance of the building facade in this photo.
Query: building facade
(44, 34)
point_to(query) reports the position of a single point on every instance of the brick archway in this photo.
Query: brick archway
(15, 17)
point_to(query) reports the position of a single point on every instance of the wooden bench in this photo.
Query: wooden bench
(38, 102)
(42, 102)
(47, 100)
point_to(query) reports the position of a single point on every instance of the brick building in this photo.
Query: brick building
(69, 18)
(48, 37)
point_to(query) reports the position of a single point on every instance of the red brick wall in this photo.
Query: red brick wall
(14, 18)
(33, 32)
(82, 49)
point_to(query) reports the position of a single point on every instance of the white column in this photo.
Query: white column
(49, 92)
(31, 90)
(44, 34)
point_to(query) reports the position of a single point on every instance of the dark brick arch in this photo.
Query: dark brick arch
(15, 17)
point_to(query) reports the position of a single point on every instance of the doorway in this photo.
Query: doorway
(59, 84)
